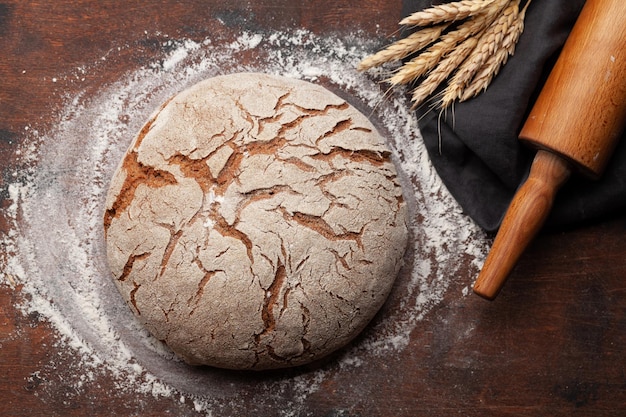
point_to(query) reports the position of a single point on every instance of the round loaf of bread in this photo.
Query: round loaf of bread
(255, 222)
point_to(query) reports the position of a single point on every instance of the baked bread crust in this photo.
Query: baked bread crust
(255, 222)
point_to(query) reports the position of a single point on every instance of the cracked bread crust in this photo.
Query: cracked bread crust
(255, 222)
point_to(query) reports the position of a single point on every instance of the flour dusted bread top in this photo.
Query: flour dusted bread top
(255, 222)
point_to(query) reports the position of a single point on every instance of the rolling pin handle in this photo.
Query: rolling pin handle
(523, 220)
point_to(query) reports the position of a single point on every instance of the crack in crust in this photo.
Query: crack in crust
(226, 230)
(320, 226)
(171, 245)
(195, 299)
(374, 158)
(271, 301)
(136, 174)
(133, 300)
(128, 267)
(285, 296)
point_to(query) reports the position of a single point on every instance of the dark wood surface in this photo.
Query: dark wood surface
(552, 344)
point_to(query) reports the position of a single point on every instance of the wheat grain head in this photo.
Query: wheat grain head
(428, 59)
(490, 42)
(403, 47)
(447, 12)
(491, 67)
(442, 71)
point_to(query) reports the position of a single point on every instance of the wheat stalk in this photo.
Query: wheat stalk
(448, 12)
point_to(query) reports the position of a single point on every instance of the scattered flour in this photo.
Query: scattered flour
(55, 248)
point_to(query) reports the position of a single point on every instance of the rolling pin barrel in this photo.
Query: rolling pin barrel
(581, 110)
(575, 124)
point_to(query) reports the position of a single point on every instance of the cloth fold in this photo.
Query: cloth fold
(475, 148)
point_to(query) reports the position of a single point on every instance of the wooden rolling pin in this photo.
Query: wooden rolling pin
(575, 125)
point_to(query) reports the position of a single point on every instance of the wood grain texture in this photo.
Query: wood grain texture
(552, 344)
(576, 122)
(524, 218)
(581, 111)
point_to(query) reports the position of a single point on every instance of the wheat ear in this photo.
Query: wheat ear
(490, 41)
(484, 35)
(442, 71)
(447, 12)
(492, 65)
(428, 59)
(403, 48)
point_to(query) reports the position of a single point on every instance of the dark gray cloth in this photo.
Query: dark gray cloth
(477, 153)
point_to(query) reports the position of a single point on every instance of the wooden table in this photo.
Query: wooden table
(552, 344)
